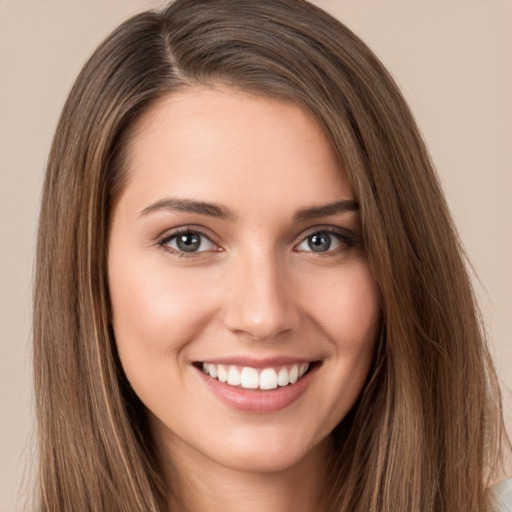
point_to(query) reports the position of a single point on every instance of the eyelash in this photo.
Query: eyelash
(346, 241)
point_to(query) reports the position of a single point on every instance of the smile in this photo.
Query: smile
(258, 386)
(251, 378)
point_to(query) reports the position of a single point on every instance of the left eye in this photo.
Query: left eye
(189, 241)
(321, 241)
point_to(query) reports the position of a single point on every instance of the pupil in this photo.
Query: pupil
(188, 242)
(319, 242)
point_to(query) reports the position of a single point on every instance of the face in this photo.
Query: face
(244, 310)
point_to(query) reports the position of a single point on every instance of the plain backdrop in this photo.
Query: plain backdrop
(451, 58)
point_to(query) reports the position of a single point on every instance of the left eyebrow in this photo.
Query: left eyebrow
(345, 205)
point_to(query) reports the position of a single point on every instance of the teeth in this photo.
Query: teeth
(249, 378)
(282, 377)
(268, 379)
(212, 370)
(222, 374)
(294, 374)
(233, 376)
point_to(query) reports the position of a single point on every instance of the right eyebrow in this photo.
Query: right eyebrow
(189, 205)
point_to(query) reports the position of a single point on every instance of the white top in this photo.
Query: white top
(501, 496)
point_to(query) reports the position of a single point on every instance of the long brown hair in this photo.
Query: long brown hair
(425, 433)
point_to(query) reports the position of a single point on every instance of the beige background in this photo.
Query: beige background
(451, 58)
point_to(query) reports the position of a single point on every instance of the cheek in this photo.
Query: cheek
(155, 312)
(349, 315)
(347, 311)
(347, 308)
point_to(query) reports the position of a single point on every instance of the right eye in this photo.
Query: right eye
(188, 241)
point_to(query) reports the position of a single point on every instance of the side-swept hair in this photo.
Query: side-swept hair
(425, 434)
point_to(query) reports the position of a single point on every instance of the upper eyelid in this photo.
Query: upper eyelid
(321, 228)
(336, 230)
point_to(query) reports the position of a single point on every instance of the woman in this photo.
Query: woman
(248, 282)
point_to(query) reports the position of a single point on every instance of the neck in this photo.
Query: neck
(205, 485)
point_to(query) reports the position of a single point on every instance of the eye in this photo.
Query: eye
(188, 242)
(324, 241)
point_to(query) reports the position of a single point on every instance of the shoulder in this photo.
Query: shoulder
(501, 496)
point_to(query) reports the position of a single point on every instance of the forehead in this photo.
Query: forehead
(227, 145)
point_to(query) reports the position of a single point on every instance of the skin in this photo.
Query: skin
(256, 288)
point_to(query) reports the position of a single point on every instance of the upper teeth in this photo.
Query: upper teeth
(251, 378)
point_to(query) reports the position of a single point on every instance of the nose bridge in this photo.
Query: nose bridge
(261, 304)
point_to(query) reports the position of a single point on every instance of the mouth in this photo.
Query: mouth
(265, 379)
(258, 386)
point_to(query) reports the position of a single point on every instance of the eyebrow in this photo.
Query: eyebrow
(191, 206)
(221, 212)
(342, 206)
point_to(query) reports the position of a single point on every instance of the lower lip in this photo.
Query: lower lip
(259, 401)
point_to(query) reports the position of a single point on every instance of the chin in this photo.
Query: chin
(271, 455)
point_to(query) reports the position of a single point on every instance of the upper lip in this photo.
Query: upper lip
(253, 362)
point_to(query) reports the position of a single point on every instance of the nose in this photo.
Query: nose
(261, 301)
